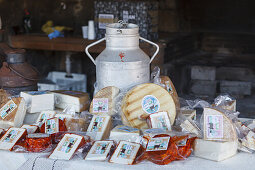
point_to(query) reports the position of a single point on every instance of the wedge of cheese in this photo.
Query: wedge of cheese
(125, 153)
(99, 127)
(12, 113)
(127, 133)
(215, 150)
(99, 151)
(11, 137)
(230, 105)
(38, 101)
(189, 113)
(104, 101)
(189, 126)
(159, 120)
(217, 126)
(31, 128)
(44, 115)
(67, 146)
(79, 100)
(250, 141)
(143, 100)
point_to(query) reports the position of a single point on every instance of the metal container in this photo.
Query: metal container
(122, 64)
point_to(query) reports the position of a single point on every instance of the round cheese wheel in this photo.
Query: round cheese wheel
(104, 101)
(143, 100)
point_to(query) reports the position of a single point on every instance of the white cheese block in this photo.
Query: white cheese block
(217, 126)
(30, 128)
(126, 133)
(67, 147)
(38, 101)
(214, 150)
(12, 113)
(160, 120)
(99, 127)
(78, 100)
(44, 115)
(189, 113)
(11, 137)
(125, 153)
(99, 151)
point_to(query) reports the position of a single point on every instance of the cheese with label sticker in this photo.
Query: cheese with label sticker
(67, 146)
(99, 151)
(79, 100)
(126, 133)
(104, 101)
(190, 127)
(189, 113)
(31, 128)
(12, 113)
(158, 144)
(38, 101)
(99, 127)
(11, 137)
(160, 120)
(215, 150)
(143, 100)
(125, 153)
(44, 115)
(53, 125)
(217, 126)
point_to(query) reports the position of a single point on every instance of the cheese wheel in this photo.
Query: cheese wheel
(143, 100)
(217, 126)
(104, 101)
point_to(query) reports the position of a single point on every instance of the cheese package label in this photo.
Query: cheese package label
(150, 104)
(67, 147)
(158, 144)
(44, 116)
(11, 137)
(214, 126)
(100, 105)
(8, 108)
(160, 120)
(52, 126)
(99, 150)
(98, 124)
(125, 153)
(30, 128)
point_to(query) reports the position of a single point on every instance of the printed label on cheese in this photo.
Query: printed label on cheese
(158, 144)
(160, 120)
(150, 104)
(98, 124)
(9, 107)
(128, 129)
(100, 105)
(37, 92)
(67, 145)
(104, 19)
(101, 148)
(214, 126)
(11, 136)
(126, 151)
(52, 126)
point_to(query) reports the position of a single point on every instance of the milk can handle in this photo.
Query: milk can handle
(156, 52)
(87, 48)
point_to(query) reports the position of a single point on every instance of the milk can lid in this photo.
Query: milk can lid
(122, 28)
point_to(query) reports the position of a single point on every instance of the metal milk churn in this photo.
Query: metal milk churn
(122, 64)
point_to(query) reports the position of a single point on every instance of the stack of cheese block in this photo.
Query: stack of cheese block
(220, 140)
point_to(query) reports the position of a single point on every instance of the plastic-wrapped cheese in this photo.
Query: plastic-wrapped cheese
(78, 100)
(31, 128)
(143, 100)
(217, 126)
(126, 133)
(44, 115)
(104, 101)
(159, 120)
(215, 150)
(12, 113)
(38, 101)
(99, 127)
(189, 113)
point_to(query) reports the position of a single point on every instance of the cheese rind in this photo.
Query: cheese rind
(125, 153)
(67, 147)
(99, 127)
(127, 133)
(78, 100)
(38, 101)
(214, 150)
(99, 151)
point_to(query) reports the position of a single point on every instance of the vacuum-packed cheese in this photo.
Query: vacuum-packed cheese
(44, 115)
(78, 100)
(127, 133)
(104, 101)
(160, 120)
(38, 101)
(12, 113)
(189, 113)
